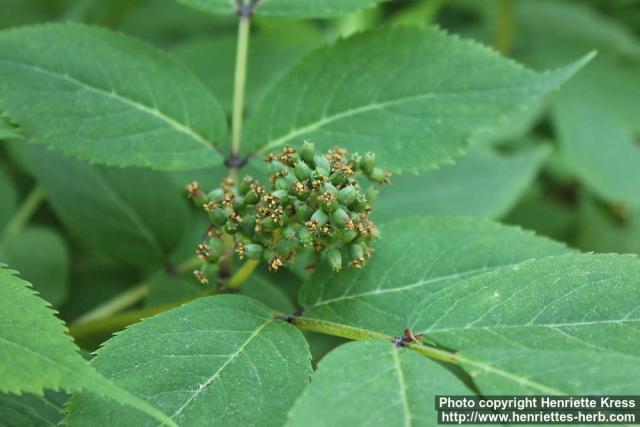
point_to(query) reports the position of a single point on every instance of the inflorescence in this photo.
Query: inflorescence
(312, 202)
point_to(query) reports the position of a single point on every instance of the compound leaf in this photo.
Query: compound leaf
(414, 96)
(106, 98)
(221, 360)
(376, 383)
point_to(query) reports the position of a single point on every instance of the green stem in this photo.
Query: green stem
(240, 82)
(352, 333)
(505, 26)
(129, 297)
(24, 214)
(242, 274)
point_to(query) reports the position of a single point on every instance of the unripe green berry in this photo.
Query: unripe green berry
(245, 185)
(328, 202)
(276, 166)
(251, 198)
(253, 250)
(282, 184)
(280, 194)
(347, 195)
(339, 217)
(334, 258)
(349, 235)
(268, 224)
(320, 173)
(368, 162)
(337, 178)
(231, 227)
(238, 202)
(319, 217)
(305, 236)
(360, 204)
(289, 233)
(307, 152)
(328, 187)
(356, 161)
(302, 171)
(356, 251)
(216, 194)
(321, 162)
(248, 225)
(303, 212)
(378, 175)
(372, 194)
(219, 216)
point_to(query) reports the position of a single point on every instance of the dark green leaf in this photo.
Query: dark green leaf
(41, 256)
(8, 197)
(482, 183)
(135, 215)
(413, 96)
(217, 360)
(374, 383)
(105, 98)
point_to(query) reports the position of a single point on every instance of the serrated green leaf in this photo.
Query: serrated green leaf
(105, 98)
(284, 8)
(224, 360)
(9, 198)
(41, 256)
(30, 410)
(413, 96)
(483, 183)
(35, 358)
(374, 383)
(414, 260)
(601, 103)
(135, 215)
(274, 47)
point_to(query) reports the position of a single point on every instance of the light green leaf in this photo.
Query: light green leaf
(414, 96)
(35, 358)
(601, 230)
(601, 103)
(556, 303)
(40, 254)
(221, 360)
(9, 198)
(105, 98)
(7, 131)
(274, 47)
(415, 260)
(137, 216)
(284, 8)
(483, 183)
(374, 383)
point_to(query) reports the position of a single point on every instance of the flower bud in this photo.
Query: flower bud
(356, 161)
(337, 178)
(334, 258)
(251, 198)
(248, 225)
(307, 152)
(245, 185)
(349, 235)
(328, 201)
(302, 171)
(282, 184)
(231, 227)
(357, 251)
(347, 195)
(360, 204)
(267, 224)
(328, 187)
(368, 162)
(320, 173)
(281, 195)
(253, 250)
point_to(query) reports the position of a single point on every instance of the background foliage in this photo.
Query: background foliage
(516, 189)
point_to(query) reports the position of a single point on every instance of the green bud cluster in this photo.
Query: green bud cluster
(311, 203)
